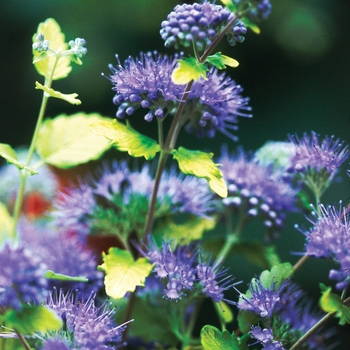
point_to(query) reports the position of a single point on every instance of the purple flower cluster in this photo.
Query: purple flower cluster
(21, 278)
(118, 201)
(183, 272)
(213, 104)
(256, 190)
(330, 238)
(85, 325)
(313, 154)
(198, 24)
(265, 337)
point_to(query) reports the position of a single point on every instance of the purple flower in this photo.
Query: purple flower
(62, 254)
(87, 326)
(265, 337)
(146, 82)
(256, 191)
(330, 238)
(21, 277)
(198, 24)
(313, 154)
(214, 105)
(55, 344)
(177, 264)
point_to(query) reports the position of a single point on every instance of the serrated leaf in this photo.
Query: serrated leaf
(331, 302)
(200, 164)
(125, 138)
(52, 32)
(213, 339)
(7, 152)
(221, 61)
(187, 232)
(49, 274)
(123, 274)
(6, 224)
(66, 141)
(189, 69)
(71, 98)
(276, 276)
(32, 319)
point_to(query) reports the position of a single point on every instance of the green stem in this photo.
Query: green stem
(23, 176)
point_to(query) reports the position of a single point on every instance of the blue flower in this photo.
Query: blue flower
(312, 153)
(85, 325)
(265, 337)
(198, 24)
(55, 344)
(255, 190)
(330, 238)
(21, 278)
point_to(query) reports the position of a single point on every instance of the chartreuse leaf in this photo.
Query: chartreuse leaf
(49, 274)
(123, 274)
(125, 138)
(213, 339)
(32, 319)
(7, 152)
(200, 164)
(224, 312)
(6, 224)
(189, 69)
(71, 98)
(52, 32)
(245, 319)
(66, 141)
(276, 276)
(331, 302)
(221, 61)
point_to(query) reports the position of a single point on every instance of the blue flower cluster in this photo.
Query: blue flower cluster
(198, 24)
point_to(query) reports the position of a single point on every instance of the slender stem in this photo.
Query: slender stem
(300, 262)
(23, 341)
(23, 176)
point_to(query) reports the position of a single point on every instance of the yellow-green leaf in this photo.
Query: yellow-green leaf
(224, 312)
(189, 69)
(123, 273)
(6, 224)
(52, 32)
(66, 141)
(125, 138)
(7, 152)
(221, 61)
(200, 164)
(49, 274)
(71, 98)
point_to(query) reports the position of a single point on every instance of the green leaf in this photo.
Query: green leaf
(213, 339)
(221, 61)
(277, 275)
(123, 274)
(32, 319)
(66, 141)
(6, 224)
(331, 302)
(71, 98)
(125, 138)
(7, 152)
(224, 312)
(49, 274)
(189, 69)
(52, 32)
(199, 164)
(245, 319)
(187, 232)
(251, 25)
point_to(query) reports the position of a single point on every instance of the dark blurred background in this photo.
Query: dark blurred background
(296, 72)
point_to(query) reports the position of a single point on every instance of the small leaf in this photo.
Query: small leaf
(224, 312)
(245, 319)
(71, 98)
(32, 319)
(57, 276)
(52, 32)
(125, 138)
(189, 69)
(251, 25)
(221, 61)
(7, 152)
(213, 339)
(123, 274)
(6, 224)
(66, 141)
(276, 276)
(199, 164)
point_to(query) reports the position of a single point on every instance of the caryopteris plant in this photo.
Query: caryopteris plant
(177, 219)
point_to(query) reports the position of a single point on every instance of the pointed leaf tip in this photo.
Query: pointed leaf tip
(189, 69)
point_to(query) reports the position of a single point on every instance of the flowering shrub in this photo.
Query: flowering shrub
(171, 229)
